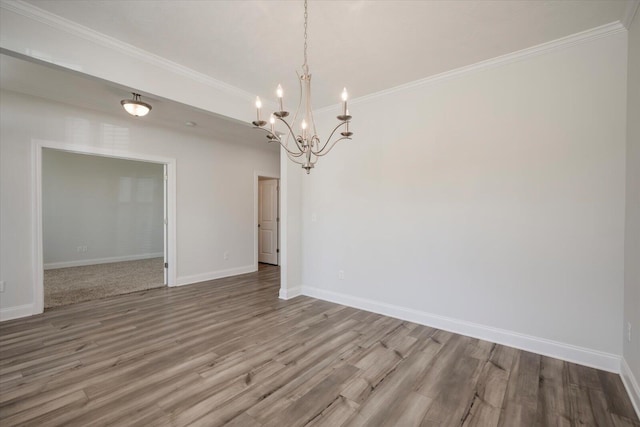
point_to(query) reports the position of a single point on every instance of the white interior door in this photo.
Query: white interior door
(268, 221)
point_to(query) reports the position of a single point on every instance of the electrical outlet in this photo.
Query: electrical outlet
(226, 255)
(629, 331)
(1, 285)
(341, 274)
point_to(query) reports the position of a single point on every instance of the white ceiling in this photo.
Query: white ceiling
(367, 46)
(77, 89)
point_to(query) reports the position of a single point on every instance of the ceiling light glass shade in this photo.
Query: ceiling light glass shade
(135, 106)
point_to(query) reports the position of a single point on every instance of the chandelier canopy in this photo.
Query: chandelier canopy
(304, 148)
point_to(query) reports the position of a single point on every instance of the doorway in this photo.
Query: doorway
(103, 226)
(268, 220)
(133, 249)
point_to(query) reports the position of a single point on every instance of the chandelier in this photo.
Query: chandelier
(304, 148)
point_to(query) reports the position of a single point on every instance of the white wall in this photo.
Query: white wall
(114, 208)
(490, 203)
(291, 235)
(215, 187)
(631, 350)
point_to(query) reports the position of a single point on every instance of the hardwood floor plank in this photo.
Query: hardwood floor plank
(582, 376)
(409, 411)
(243, 420)
(436, 377)
(521, 399)
(457, 393)
(230, 352)
(310, 405)
(481, 414)
(335, 414)
(391, 390)
(36, 413)
(614, 392)
(553, 404)
(492, 384)
(619, 421)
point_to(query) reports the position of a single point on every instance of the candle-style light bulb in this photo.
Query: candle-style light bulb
(272, 120)
(258, 107)
(280, 92)
(345, 95)
(303, 125)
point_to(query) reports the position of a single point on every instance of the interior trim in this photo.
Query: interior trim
(570, 353)
(631, 384)
(35, 13)
(16, 312)
(561, 43)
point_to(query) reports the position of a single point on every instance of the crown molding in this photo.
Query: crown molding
(630, 12)
(32, 12)
(562, 43)
(35, 13)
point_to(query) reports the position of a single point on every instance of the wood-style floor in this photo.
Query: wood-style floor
(230, 352)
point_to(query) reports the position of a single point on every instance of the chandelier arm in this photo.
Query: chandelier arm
(295, 116)
(277, 138)
(333, 144)
(289, 152)
(295, 160)
(314, 141)
(329, 139)
(292, 133)
(294, 157)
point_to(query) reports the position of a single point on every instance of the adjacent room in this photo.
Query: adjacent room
(103, 226)
(441, 228)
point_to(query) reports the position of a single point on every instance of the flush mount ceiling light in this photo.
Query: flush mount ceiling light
(306, 147)
(135, 106)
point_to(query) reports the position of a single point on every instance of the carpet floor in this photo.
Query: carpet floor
(71, 285)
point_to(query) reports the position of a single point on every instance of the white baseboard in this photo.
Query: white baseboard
(83, 262)
(16, 312)
(580, 355)
(290, 293)
(212, 275)
(631, 384)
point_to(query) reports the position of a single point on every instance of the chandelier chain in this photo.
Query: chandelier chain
(305, 66)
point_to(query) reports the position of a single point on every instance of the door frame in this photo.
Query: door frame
(256, 201)
(170, 200)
